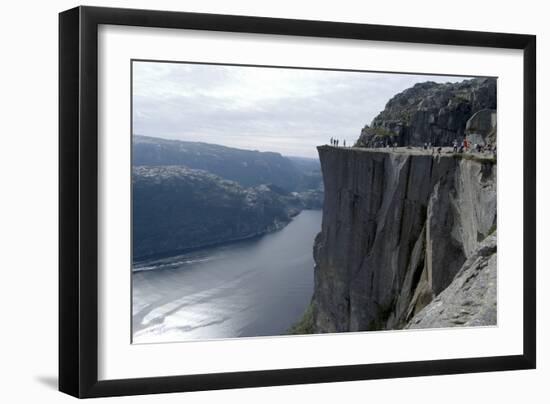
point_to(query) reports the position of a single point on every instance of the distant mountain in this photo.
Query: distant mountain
(189, 195)
(247, 167)
(306, 164)
(177, 208)
(311, 176)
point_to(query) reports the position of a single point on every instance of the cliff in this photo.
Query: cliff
(398, 226)
(431, 112)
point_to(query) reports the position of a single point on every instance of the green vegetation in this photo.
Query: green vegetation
(383, 132)
(461, 97)
(481, 236)
(305, 324)
(405, 116)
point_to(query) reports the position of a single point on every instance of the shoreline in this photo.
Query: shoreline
(155, 257)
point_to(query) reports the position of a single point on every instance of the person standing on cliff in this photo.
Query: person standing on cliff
(331, 141)
(344, 142)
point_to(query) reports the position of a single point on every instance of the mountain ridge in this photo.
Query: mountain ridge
(247, 167)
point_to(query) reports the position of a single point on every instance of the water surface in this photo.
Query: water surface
(252, 288)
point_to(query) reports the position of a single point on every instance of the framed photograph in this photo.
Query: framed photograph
(250, 201)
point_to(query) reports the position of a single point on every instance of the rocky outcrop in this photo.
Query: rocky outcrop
(397, 228)
(481, 128)
(471, 298)
(430, 112)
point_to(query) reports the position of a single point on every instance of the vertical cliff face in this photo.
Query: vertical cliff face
(397, 227)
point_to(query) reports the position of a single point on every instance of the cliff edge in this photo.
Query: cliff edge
(398, 226)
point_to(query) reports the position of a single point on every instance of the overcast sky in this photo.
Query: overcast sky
(289, 111)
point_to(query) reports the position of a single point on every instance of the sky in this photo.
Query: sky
(290, 111)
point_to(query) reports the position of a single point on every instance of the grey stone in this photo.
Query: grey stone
(481, 128)
(397, 228)
(471, 298)
(430, 112)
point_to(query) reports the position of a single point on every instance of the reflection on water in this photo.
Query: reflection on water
(251, 288)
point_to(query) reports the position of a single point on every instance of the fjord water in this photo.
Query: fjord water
(256, 287)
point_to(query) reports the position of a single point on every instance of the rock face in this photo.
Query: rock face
(481, 128)
(397, 228)
(471, 299)
(176, 209)
(430, 113)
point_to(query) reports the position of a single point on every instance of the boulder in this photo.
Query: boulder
(481, 127)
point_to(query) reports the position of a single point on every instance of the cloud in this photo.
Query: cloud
(289, 111)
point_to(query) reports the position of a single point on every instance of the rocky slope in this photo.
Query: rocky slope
(176, 209)
(471, 298)
(397, 228)
(430, 113)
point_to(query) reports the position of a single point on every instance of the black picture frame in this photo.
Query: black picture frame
(78, 200)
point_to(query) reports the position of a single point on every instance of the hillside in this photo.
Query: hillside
(246, 167)
(177, 209)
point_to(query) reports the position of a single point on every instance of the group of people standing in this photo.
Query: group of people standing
(458, 147)
(379, 144)
(430, 146)
(466, 146)
(336, 142)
